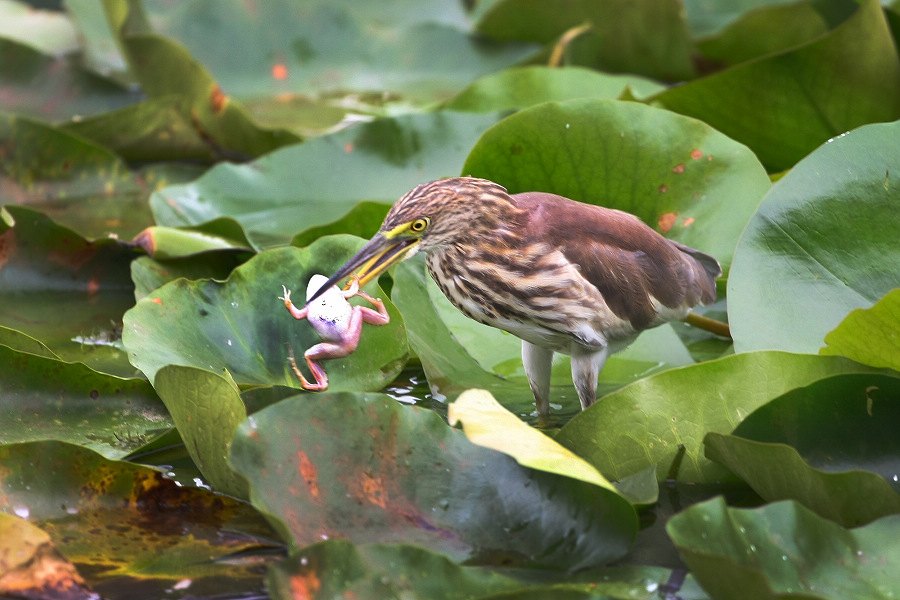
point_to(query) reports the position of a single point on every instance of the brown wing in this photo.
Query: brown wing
(627, 261)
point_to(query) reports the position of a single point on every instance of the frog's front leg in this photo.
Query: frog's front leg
(300, 313)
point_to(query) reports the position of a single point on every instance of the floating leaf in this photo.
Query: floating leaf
(316, 183)
(337, 568)
(784, 106)
(617, 40)
(677, 174)
(823, 243)
(54, 89)
(65, 291)
(391, 51)
(126, 524)
(242, 326)
(520, 87)
(870, 336)
(366, 468)
(661, 420)
(783, 550)
(207, 410)
(830, 445)
(44, 398)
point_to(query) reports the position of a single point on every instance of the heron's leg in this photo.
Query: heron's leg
(537, 363)
(586, 367)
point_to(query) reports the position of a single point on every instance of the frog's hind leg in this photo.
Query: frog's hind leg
(321, 383)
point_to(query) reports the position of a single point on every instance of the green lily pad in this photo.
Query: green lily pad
(661, 420)
(677, 174)
(823, 243)
(617, 40)
(55, 89)
(419, 55)
(766, 30)
(870, 336)
(127, 525)
(366, 468)
(65, 291)
(458, 353)
(338, 568)
(786, 105)
(44, 398)
(240, 324)
(316, 183)
(830, 445)
(78, 183)
(149, 275)
(784, 550)
(778, 472)
(520, 87)
(207, 410)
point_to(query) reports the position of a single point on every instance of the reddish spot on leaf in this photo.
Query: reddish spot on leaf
(279, 72)
(666, 221)
(158, 300)
(93, 285)
(374, 490)
(709, 158)
(305, 586)
(66, 165)
(348, 147)
(217, 100)
(678, 168)
(696, 154)
(663, 189)
(309, 473)
(688, 221)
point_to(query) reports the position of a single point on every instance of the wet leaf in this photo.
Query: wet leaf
(241, 325)
(822, 244)
(149, 274)
(315, 184)
(366, 468)
(486, 423)
(126, 524)
(520, 87)
(31, 567)
(65, 291)
(786, 105)
(399, 54)
(661, 420)
(337, 568)
(55, 89)
(870, 336)
(766, 30)
(673, 172)
(617, 40)
(783, 550)
(831, 445)
(44, 398)
(207, 410)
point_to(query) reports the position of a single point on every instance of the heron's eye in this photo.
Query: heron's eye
(419, 225)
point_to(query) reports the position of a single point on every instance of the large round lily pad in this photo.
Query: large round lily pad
(241, 326)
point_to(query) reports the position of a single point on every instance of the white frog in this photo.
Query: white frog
(337, 322)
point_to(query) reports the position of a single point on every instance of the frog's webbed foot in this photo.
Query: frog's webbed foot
(297, 314)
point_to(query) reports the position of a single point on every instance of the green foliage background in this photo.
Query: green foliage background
(166, 166)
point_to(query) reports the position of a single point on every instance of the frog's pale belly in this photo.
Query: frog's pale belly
(331, 325)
